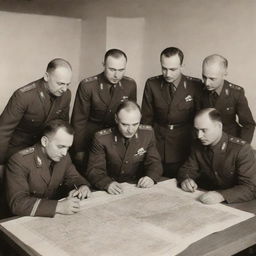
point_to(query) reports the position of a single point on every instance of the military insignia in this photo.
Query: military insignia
(124, 98)
(42, 95)
(105, 131)
(236, 87)
(223, 147)
(115, 138)
(128, 78)
(145, 127)
(58, 111)
(101, 86)
(188, 98)
(89, 79)
(227, 92)
(38, 161)
(27, 151)
(227, 108)
(237, 140)
(140, 152)
(28, 87)
(185, 84)
(136, 135)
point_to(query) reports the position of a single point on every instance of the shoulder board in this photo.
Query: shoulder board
(154, 77)
(128, 78)
(90, 79)
(236, 87)
(28, 87)
(105, 132)
(27, 151)
(237, 140)
(193, 78)
(145, 127)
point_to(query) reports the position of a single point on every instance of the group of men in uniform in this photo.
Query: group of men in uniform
(116, 141)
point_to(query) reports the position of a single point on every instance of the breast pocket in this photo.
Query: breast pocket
(185, 105)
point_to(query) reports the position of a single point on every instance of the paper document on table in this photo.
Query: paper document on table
(162, 220)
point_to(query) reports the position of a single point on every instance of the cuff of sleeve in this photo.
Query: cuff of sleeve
(104, 183)
(46, 208)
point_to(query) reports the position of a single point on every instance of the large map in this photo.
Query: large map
(162, 220)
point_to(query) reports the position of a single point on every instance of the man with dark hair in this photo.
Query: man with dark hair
(96, 101)
(226, 97)
(36, 177)
(32, 106)
(126, 153)
(220, 163)
(169, 104)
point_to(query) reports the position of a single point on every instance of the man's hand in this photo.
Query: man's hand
(211, 197)
(115, 188)
(69, 205)
(188, 185)
(81, 193)
(145, 182)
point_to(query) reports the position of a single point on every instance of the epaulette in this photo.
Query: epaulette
(28, 87)
(27, 151)
(145, 127)
(90, 79)
(193, 79)
(105, 131)
(237, 140)
(236, 87)
(154, 77)
(128, 78)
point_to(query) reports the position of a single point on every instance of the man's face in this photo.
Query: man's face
(171, 68)
(213, 75)
(57, 145)
(128, 122)
(208, 132)
(114, 69)
(58, 80)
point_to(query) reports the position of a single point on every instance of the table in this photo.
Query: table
(228, 242)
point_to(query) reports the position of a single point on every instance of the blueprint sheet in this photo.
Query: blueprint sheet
(162, 220)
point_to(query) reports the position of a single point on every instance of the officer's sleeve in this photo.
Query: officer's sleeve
(245, 118)
(152, 164)
(18, 193)
(97, 170)
(72, 177)
(190, 169)
(9, 120)
(65, 112)
(80, 115)
(245, 190)
(147, 109)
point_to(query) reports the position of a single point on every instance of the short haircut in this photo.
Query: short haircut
(54, 125)
(171, 51)
(116, 53)
(128, 105)
(213, 114)
(58, 62)
(216, 58)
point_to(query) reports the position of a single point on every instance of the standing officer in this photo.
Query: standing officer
(96, 102)
(169, 104)
(126, 153)
(221, 163)
(226, 97)
(32, 106)
(38, 176)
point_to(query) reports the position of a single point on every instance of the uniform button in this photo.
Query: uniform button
(126, 162)
(122, 171)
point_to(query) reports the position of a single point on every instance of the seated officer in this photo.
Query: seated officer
(126, 153)
(38, 176)
(221, 163)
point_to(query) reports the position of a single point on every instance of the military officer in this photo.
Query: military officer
(33, 105)
(169, 104)
(226, 97)
(37, 176)
(223, 164)
(96, 102)
(126, 153)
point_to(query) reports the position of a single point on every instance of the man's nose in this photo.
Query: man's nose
(207, 81)
(64, 87)
(64, 151)
(200, 134)
(168, 72)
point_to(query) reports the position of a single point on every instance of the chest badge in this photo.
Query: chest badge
(140, 152)
(188, 98)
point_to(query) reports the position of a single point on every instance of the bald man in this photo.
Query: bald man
(222, 164)
(226, 97)
(32, 106)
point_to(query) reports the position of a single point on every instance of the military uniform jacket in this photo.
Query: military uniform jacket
(110, 160)
(231, 172)
(231, 103)
(94, 108)
(172, 119)
(31, 189)
(25, 115)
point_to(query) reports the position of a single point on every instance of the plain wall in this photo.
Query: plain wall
(28, 42)
(198, 27)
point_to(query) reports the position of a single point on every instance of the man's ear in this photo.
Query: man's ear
(44, 141)
(46, 77)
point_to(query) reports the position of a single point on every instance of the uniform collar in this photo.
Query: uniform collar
(40, 157)
(105, 80)
(175, 83)
(118, 136)
(221, 146)
(219, 89)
